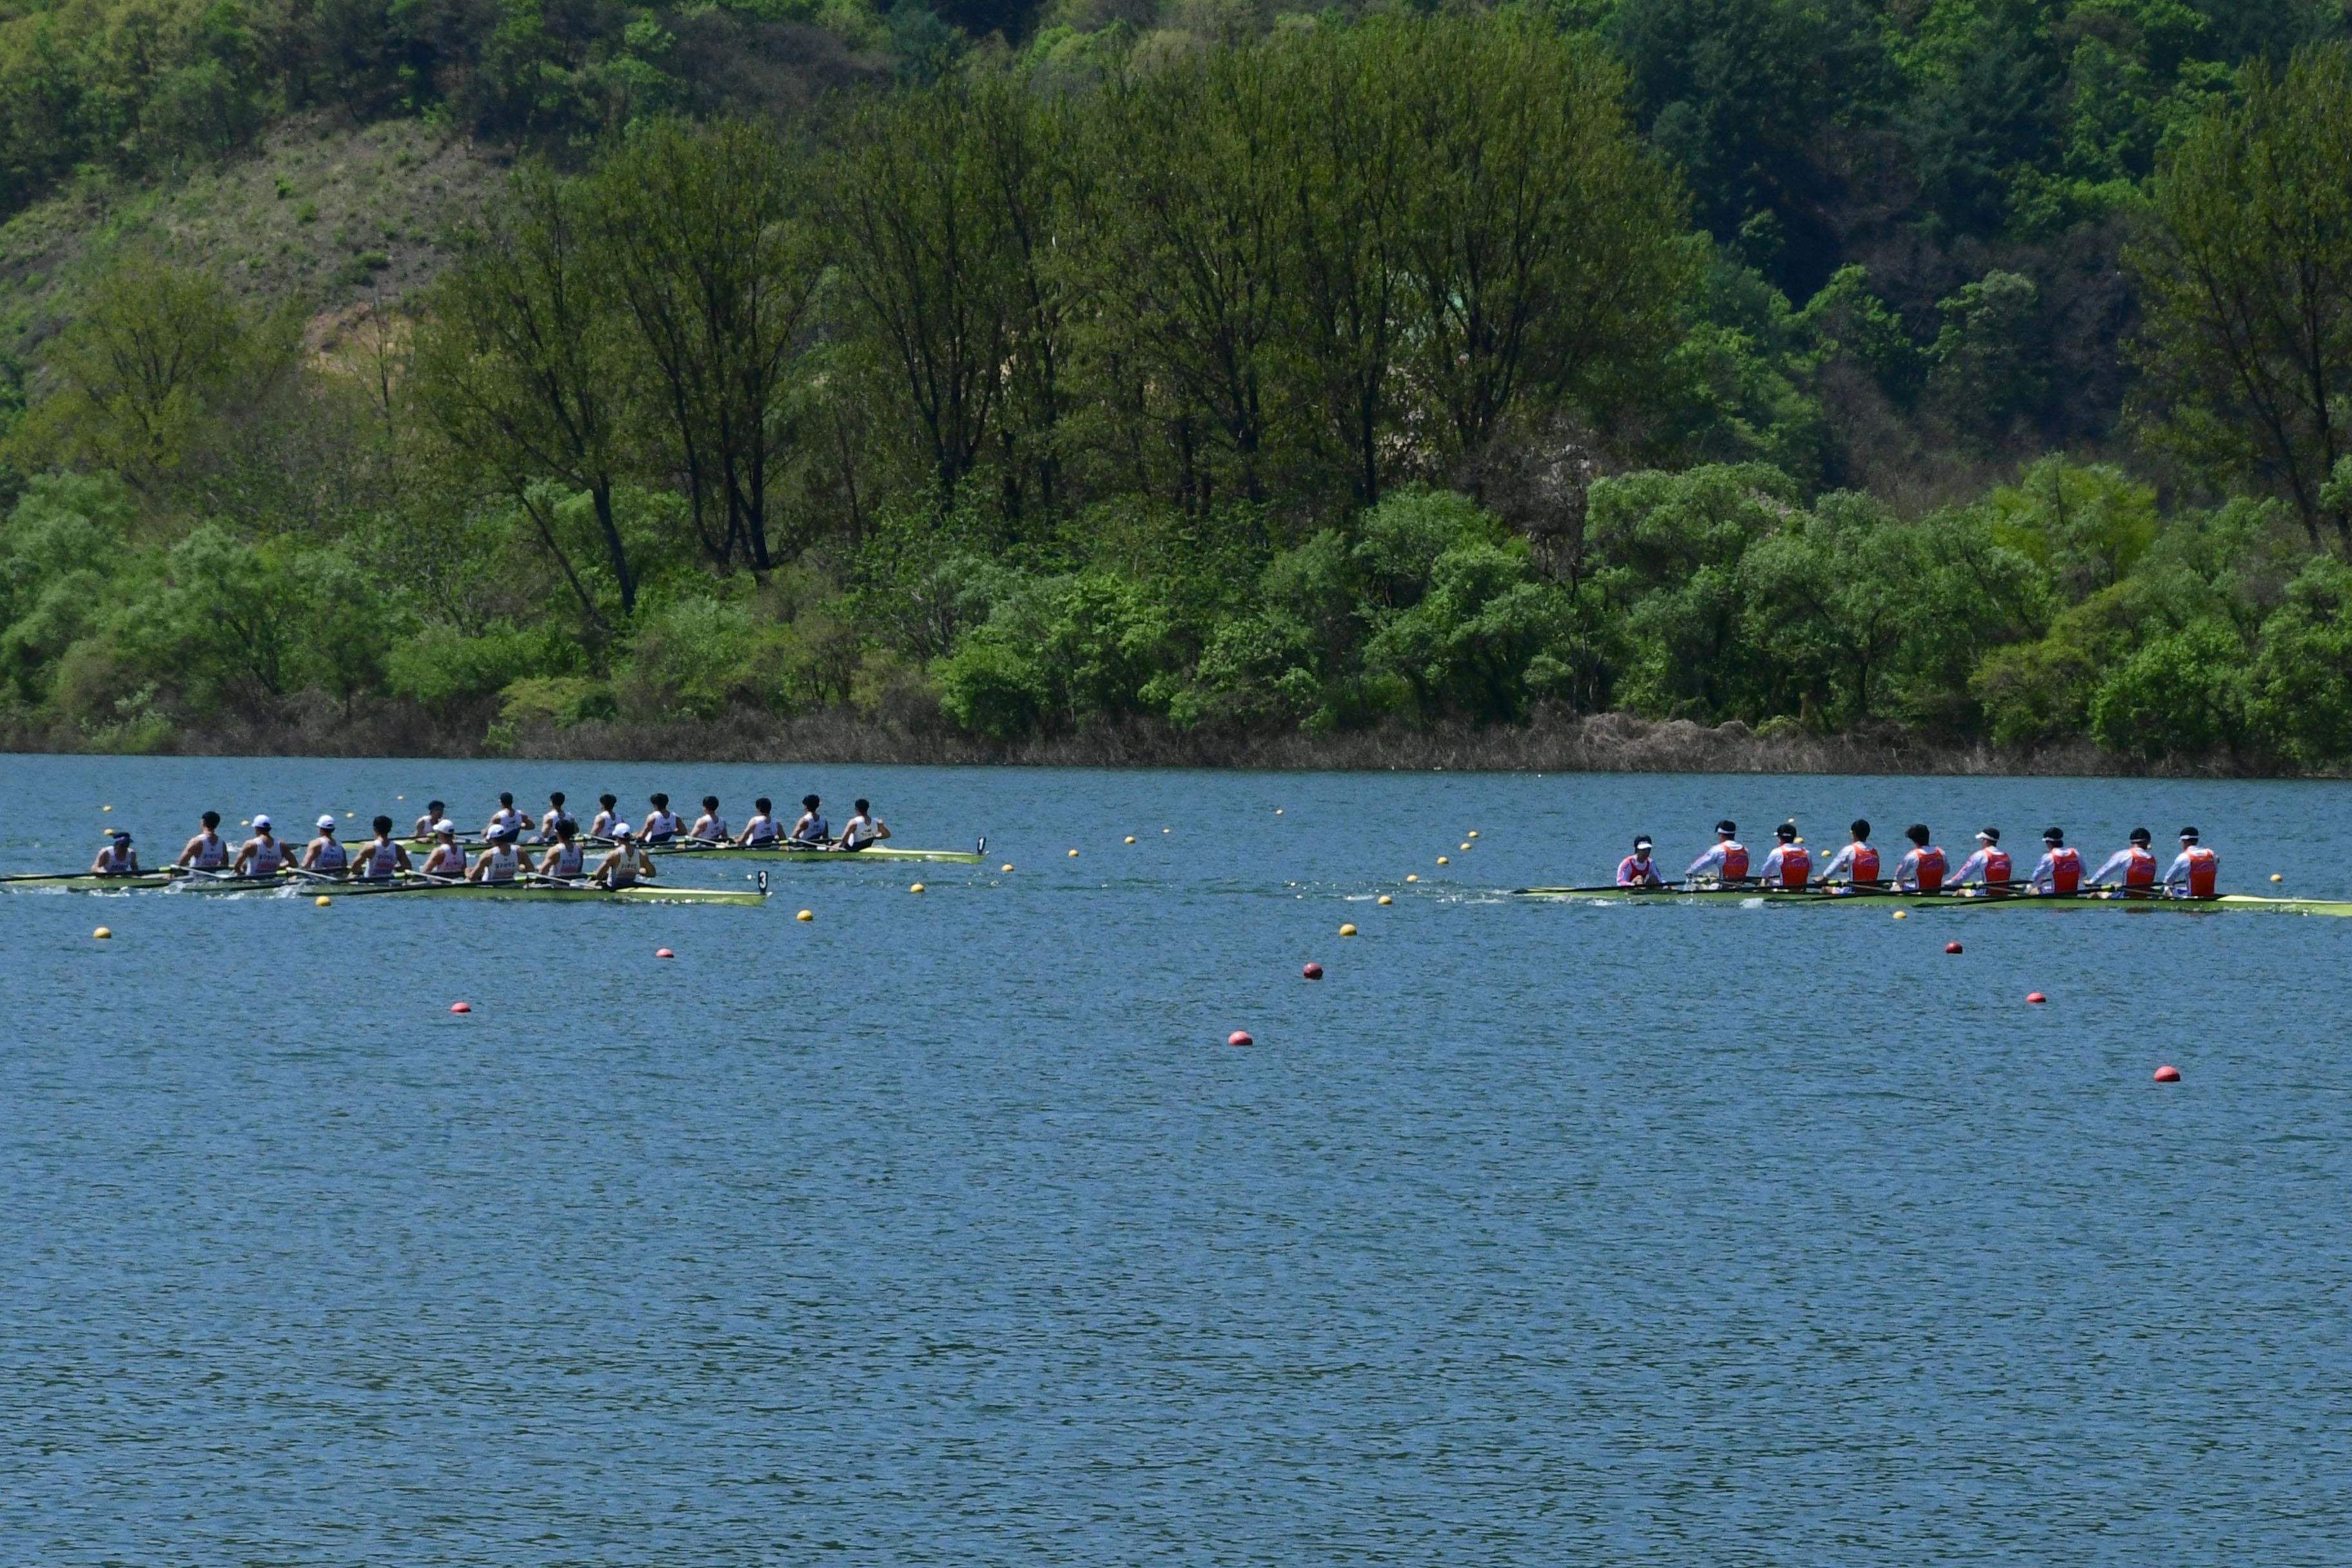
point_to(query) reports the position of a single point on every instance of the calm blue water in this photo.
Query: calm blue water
(946, 1229)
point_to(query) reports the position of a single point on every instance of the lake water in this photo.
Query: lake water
(947, 1229)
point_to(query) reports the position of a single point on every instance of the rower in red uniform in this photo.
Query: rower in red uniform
(1726, 862)
(2060, 870)
(2136, 861)
(1787, 866)
(1857, 863)
(1637, 870)
(1988, 865)
(1923, 868)
(2194, 874)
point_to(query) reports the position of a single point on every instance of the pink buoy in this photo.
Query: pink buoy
(2036, 998)
(1313, 972)
(1240, 1037)
(1951, 947)
(461, 1006)
(664, 953)
(2167, 1075)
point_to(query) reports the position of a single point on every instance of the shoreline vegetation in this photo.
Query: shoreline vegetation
(1959, 387)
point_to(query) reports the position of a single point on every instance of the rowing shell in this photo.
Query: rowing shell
(416, 887)
(737, 852)
(2128, 903)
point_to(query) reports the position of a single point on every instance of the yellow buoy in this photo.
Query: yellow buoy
(102, 934)
(2276, 877)
(1386, 899)
(1473, 833)
(1167, 830)
(804, 915)
(1277, 811)
(1902, 914)
(324, 901)
(1346, 931)
(916, 889)
(1006, 866)
(1130, 838)
(105, 808)
(1466, 846)
(1413, 878)
(1442, 860)
(1074, 854)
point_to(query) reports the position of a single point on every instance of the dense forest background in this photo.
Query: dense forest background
(490, 373)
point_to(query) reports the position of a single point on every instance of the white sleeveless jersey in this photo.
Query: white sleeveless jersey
(857, 832)
(762, 829)
(330, 856)
(567, 860)
(115, 861)
(713, 828)
(269, 854)
(661, 824)
(502, 864)
(446, 860)
(212, 853)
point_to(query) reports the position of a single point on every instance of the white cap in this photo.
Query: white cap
(444, 826)
(327, 823)
(620, 831)
(260, 821)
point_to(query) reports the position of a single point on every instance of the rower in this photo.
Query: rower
(448, 860)
(864, 828)
(710, 827)
(1637, 870)
(385, 859)
(1988, 865)
(501, 862)
(624, 863)
(2060, 870)
(2136, 861)
(563, 863)
(504, 818)
(760, 832)
(555, 817)
(812, 827)
(1726, 862)
(325, 856)
(261, 854)
(607, 817)
(116, 858)
(1857, 862)
(205, 852)
(433, 811)
(1924, 865)
(1788, 865)
(661, 822)
(2192, 875)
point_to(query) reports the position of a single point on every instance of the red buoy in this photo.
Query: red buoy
(1239, 1037)
(664, 953)
(2167, 1075)
(1313, 972)
(461, 1006)
(1951, 947)
(2036, 998)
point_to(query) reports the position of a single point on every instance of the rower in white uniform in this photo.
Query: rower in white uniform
(432, 814)
(324, 857)
(661, 824)
(864, 828)
(607, 817)
(263, 855)
(564, 862)
(2059, 872)
(626, 863)
(448, 860)
(116, 858)
(1857, 863)
(2195, 873)
(811, 831)
(2136, 860)
(760, 832)
(500, 863)
(710, 827)
(207, 851)
(555, 818)
(385, 858)
(1726, 862)
(506, 817)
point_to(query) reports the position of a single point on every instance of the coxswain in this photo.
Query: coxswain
(1637, 870)
(661, 823)
(1857, 863)
(448, 860)
(760, 832)
(262, 855)
(607, 817)
(115, 857)
(710, 827)
(324, 857)
(505, 818)
(555, 818)
(385, 858)
(2193, 873)
(433, 812)
(2060, 870)
(1988, 865)
(207, 851)
(624, 863)
(864, 828)
(1924, 865)
(501, 862)
(812, 829)
(1788, 865)
(1726, 862)
(2136, 860)
(563, 862)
